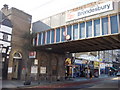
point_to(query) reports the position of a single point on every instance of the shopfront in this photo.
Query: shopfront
(68, 68)
(96, 69)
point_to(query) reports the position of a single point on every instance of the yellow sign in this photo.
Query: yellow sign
(68, 61)
(96, 64)
(100, 60)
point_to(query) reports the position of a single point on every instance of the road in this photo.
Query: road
(107, 83)
(112, 84)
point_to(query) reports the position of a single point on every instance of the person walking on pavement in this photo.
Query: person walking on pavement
(110, 72)
(87, 71)
(90, 74)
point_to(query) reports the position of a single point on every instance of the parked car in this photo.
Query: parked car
(118, 73)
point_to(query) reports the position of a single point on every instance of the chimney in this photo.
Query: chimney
(5, 7)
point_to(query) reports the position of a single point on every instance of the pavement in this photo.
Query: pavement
(46, 84)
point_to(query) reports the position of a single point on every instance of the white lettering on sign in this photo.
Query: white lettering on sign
(43, 70)
(9, 69)
(36, 61)
(34, 69)
(32, 54)
(89, 11)
(78, 61)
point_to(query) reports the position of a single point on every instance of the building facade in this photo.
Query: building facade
(57, 36)
(5, 42)
(18, 58)
(88, 21)
(72, 30)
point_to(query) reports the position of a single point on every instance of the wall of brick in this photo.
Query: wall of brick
(21, 22)
(54, 64)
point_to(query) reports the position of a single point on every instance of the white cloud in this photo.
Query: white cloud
(43, 8)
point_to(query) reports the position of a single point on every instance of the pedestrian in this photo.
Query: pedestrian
(109, 72)
(90, 74)
(87, 71)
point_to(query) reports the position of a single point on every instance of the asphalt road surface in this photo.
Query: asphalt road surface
(111, 84)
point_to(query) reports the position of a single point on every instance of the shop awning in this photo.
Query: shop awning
(113, 68)
(88, 57)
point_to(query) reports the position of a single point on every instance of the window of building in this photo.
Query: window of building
(69, 30)
(17, 55)
(114, 24)
(58, 35)
(52, 35)
(5, 36)
(97, 27)
(35, 41)
(43, 38)
(105, 26)
(48, 37)
(82, 30)
(89, 29)
(39, 39)
(75, 31)
(63, 33)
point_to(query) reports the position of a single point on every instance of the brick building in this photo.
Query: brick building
(50, 43)
(18, 58)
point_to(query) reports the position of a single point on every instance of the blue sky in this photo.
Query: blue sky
(40, 9)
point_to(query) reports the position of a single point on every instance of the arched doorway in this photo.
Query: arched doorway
(44, 68)
(54, 65)
(17, 65)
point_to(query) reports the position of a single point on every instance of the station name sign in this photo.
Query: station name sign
(89, 11)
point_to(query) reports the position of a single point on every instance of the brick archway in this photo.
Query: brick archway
(43, 64)
(54, 68)
(17, 65)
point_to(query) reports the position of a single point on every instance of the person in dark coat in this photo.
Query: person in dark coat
(90, 74)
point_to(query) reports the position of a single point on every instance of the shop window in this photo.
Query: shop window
(63, 33)
(69, 30)
(89, 29)
(105, 26)
(39, 39)
(97, 27)
(82, 30)
(52, 36)
(58, 35)
(48, 37)
(114, 24)
(75, 31)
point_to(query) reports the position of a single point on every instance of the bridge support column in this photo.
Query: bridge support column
(51, 66)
